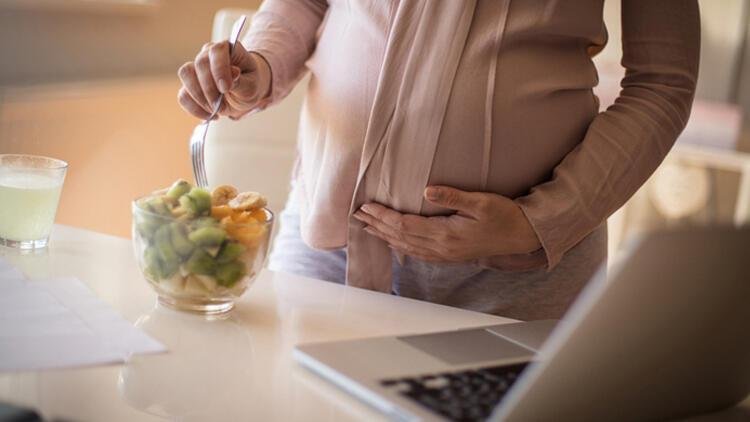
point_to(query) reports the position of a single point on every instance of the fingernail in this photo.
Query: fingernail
(369, 230)
(358, 215)
(432, 193)
(223, 86)
(368, 208)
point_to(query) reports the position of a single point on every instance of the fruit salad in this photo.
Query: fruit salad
(197, 243)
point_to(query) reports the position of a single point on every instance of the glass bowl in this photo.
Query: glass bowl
(199, 264)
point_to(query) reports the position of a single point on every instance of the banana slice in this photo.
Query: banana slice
(221, 195)
(247, 201)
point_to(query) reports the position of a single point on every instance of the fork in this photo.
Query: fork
(197, 145)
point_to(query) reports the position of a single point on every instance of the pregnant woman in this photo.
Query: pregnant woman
(453, 151)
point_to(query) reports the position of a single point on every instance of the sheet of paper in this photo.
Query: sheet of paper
(59, 323)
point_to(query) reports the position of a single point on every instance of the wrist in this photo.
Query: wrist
(521, 239)
(529, 240)
(265, 78)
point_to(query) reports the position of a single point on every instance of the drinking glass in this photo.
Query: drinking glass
(30, 188)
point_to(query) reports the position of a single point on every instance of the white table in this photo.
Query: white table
(236, 369)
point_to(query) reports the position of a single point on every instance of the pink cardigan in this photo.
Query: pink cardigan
(482, 95)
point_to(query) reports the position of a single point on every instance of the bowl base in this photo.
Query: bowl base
(197, 306)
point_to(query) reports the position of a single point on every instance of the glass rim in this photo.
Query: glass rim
(60, 164)
(140, 209)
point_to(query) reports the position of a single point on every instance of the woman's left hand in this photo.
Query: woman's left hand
(485, 224)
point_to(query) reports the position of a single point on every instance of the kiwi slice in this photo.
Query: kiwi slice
(230, 273)
(200, 263)
(201, 199)
(204, 222)
(229, 252)
(208, 237)
(147, 226)
(152, 264)
(169, 268)
(180, 242)
(169, 259)
(178, 189)
(158, 206)
(188, 204)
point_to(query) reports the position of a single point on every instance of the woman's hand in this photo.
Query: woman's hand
(244, 79)
(486, 224)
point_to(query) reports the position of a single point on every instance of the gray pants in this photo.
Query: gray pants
(527, 295)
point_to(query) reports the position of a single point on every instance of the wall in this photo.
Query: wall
(744, 87)
(725, 53)
(78, 45)
(97, 88)
(122, 139)
(41, 45)
(723, 28)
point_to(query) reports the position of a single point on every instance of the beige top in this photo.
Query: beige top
(482, 95)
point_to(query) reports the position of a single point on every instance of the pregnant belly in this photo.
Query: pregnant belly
(533, 142)
(529, 139)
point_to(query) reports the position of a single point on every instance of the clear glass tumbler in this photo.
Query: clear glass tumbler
(30, 188)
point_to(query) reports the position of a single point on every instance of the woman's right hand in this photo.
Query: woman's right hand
(244, 79)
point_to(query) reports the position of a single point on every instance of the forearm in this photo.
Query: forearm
(283, 33)
(625, 144)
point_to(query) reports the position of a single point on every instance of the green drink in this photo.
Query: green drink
(29, 193)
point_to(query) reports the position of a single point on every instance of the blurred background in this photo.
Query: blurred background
(94, 82)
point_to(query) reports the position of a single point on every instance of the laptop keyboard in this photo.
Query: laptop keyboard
(468, 395)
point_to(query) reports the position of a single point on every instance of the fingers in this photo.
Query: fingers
(213, 73)
(243, 95)
(427, 258)
(401, 245)
(389, 231)
(470, 203)
(189, 104)
(406, 223)
(243, 59)
(400, 240)
(206, 78)
(220, 66)
(191, 86)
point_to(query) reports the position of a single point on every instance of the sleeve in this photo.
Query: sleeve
(284, 33)
(624, 144)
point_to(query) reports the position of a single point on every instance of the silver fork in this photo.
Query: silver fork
(197, 145)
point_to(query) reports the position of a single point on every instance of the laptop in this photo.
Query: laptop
(666, 335)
